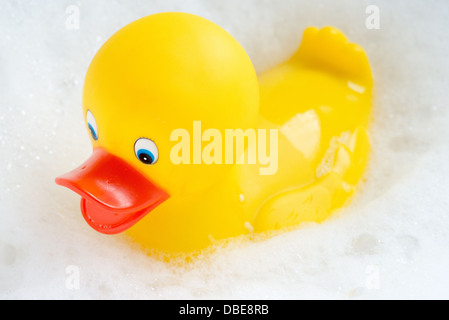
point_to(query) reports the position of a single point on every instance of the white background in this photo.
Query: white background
(391, 242)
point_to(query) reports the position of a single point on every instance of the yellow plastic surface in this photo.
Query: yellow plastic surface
(168, 70)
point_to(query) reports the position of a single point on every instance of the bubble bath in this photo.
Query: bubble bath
(391, 242)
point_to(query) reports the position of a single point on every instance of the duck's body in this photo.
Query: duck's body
(319, 103)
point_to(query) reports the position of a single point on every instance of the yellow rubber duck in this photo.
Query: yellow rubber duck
(191, 147)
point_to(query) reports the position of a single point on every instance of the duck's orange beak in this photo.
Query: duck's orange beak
(114, 195)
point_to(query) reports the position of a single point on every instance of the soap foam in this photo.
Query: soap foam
(390, 242)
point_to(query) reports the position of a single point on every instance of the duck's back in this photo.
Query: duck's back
(320, 102)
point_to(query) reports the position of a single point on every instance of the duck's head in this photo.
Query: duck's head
(155, 75)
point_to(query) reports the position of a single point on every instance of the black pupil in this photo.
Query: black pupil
(145, 158)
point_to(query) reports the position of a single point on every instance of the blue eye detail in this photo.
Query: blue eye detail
(145, 156)
(92, 132)
(146, 151)
(92, 125)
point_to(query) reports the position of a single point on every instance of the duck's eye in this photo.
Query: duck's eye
(146, 151)
(92, 124)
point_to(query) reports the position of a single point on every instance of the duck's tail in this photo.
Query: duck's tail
(343, 103)
(329, 49)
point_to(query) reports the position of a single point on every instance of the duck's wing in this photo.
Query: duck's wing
(337, 176)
